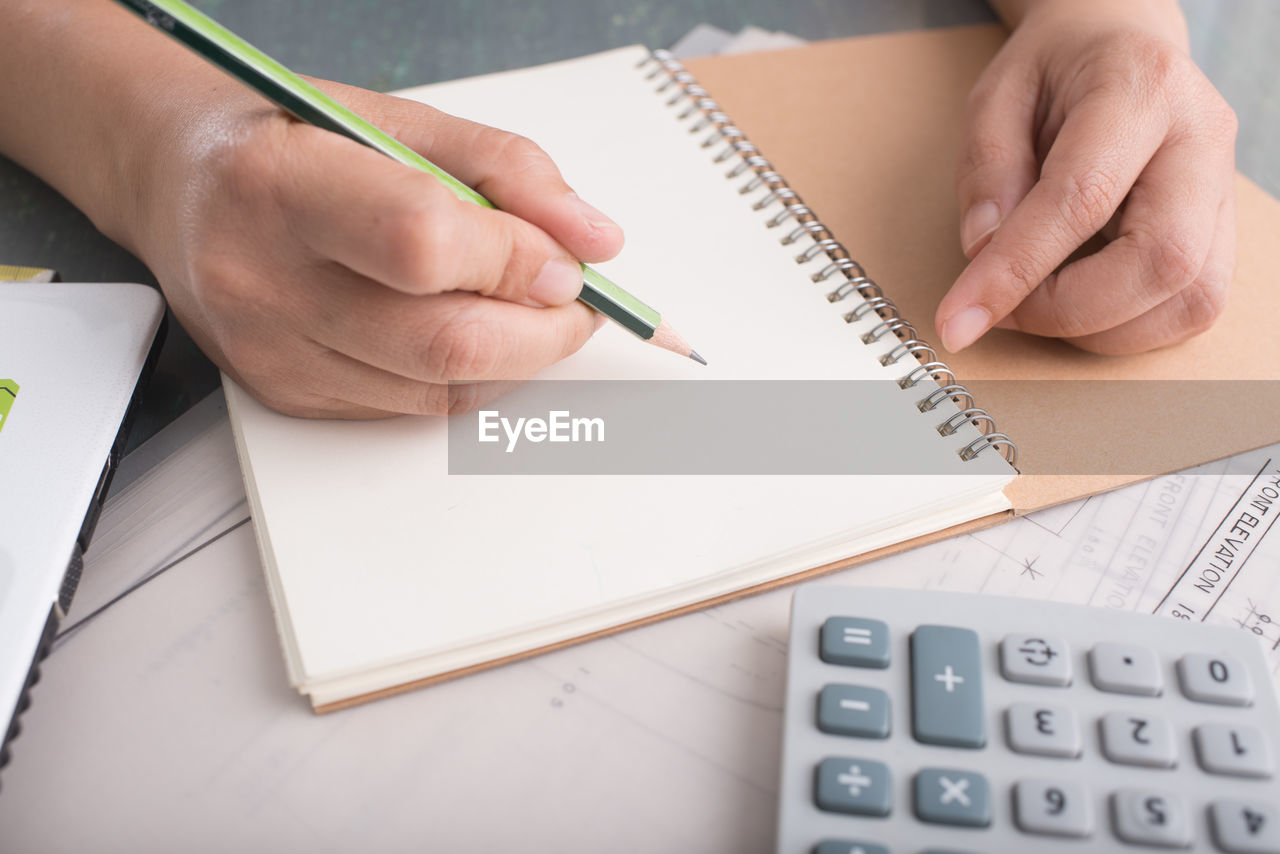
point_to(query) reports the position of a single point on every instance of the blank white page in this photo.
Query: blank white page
(384, 568)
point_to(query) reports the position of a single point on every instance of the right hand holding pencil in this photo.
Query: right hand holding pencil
(329, 280)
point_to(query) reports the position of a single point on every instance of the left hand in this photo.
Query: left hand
(1096, 184)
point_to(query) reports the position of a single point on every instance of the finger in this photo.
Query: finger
(510, 171)
(1164, 235)
(997, 164)
(443, 337)
(322, 383)
(405, 229)
(1187, 313)
(1098, 154)
(520, 178)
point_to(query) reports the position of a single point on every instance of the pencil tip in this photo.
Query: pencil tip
(693, 354)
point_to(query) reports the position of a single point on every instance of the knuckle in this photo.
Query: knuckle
(1173, 260)
(983, 151)
(517, 154)
(418, 243)
(1089, 199)
(462, 399)
(1025, 271)
(432, 399)
(1202, 304)
(464, 348)
(222, 288)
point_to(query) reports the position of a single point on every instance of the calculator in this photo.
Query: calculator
(929, 722)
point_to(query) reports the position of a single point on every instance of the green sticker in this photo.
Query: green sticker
(8, 394)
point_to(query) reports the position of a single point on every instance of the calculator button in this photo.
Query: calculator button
(858, 786)
(1239, 751)
(1125, 669)
(1215, 679)
(1147, 817)
(1240, 827)
(855, 642)
(948, 796)
(843, 846)
(1038, 659)
(853, 710)
(1138, 740)
(946, 687)
(1053, 808)
(1043, 730)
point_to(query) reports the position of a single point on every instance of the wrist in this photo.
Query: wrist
(1160, 18)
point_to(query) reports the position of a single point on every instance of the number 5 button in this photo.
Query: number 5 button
(1055, 808)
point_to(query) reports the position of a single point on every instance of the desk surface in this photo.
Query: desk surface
(395, 43)
(170, 720)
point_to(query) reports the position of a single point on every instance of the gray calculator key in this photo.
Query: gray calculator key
(1215, 679)
(1242, 827)
(1043, 729)
(1038, 659)
(1235, 750)
(949, 796)
(858, 786)
(843, 846)
(1138, 739)
(1148, 817)
(1052, 807)
(1125, 668)
(853, 710)
(855, 642)
(946, 687)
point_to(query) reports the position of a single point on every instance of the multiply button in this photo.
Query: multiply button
(1038, 659)
(948, 796)
(1125, 669)
(946, 687)
(854, 642)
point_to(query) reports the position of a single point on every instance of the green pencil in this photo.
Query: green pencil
(305, 102)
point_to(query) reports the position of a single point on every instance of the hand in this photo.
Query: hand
(1096, 183)
(330, 280)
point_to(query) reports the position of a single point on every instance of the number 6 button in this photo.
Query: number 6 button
(1056, 808)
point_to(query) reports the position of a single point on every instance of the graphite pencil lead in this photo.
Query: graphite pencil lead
(693, 354)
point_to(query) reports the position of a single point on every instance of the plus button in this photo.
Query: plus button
(950, 678)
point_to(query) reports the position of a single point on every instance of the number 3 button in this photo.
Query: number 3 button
(1055, 808)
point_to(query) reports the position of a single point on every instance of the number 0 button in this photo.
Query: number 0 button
(1215, 679)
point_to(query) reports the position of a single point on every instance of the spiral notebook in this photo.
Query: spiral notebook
(386, 572)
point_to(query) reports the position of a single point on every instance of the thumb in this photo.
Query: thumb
(997, 165)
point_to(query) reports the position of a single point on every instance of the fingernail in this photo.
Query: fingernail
(964, 327)
(592, 215)
(979, 222)
(558, 282)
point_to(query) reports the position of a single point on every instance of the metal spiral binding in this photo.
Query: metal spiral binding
(720, 129)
